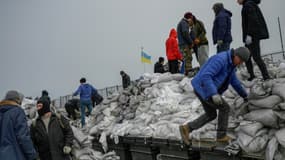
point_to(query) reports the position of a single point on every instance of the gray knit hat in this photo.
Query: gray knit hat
(243, 53)
(13, 95)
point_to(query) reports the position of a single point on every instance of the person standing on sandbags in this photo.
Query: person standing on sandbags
(209, 84)
(51, 134)
(254, 29)
(85, 91)
(126, 81)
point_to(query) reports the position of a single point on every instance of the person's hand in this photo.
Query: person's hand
(217, 99)
(220, 42)
(248, 40)
(66, 150)
(196, 41)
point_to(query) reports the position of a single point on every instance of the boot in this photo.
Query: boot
(184, 131)
(224, 139)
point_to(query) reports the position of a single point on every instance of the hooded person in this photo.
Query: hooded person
(209, 84)
(45, 96)
(221, 31)
(51, 134)
(254, 29)
(15, 140)
(172, 52)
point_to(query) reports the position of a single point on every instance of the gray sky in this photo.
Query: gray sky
(51, 44)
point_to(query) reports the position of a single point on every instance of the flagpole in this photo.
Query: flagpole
(142, 62)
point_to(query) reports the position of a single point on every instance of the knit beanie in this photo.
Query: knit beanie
(188, 15)
(15, 96)
(243, 53)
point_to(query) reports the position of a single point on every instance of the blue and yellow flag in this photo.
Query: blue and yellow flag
(145, 58)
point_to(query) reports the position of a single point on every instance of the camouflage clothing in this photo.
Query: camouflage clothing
(187, 57)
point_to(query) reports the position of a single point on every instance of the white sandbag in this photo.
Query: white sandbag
(186, 85)
(252, 144)
(280, 135)
(264, 116)
(281, 74)
(271, 148)
(177, 76)
(266, 103)
(257, 92)
(79, 136)
(251, 128)
(279, 89)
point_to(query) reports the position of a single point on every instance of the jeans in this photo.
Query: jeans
(210, 114)
(203, 54)
(173, 66)
(254, 48)
(223, 47)
(83, 104)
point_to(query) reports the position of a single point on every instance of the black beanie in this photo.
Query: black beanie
(46, 107)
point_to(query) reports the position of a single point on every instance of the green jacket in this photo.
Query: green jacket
(200, 32)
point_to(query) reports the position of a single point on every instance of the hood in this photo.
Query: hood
(6, 105)
(254, 1)
(173, 33)
(229, 12)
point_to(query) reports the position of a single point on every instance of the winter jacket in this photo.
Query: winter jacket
(183, 33)
(15, 140)
(200, 32)
(253, 22)
(215, 76)
(172, 50)
(85, 90)
(222, 27)
(158, 68)
(126, 81)
(50, 145)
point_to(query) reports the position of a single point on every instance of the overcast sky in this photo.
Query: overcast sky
(51, 44)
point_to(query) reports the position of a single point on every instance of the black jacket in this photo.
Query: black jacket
(50, 145)
(253, 22)
(158, 68)
(126, 80)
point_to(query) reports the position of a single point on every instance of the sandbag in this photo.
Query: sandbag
(279, 89)
(264, 116)
(257, 92)
(251, 128)
(271, 149)
(280, 135)
(265, 103)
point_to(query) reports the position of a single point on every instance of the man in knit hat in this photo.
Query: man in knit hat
(15, 140)
(209, 84)
(185, 40)
(221, 32)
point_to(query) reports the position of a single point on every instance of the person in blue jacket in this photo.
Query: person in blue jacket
(221, 32)
(209, 84)
(15, 140)
(85, 91)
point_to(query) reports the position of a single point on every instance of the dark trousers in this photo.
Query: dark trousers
(254, 48)
(210, 114)
(173, 66)
(223, 47)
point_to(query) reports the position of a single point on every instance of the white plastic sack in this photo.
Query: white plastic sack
(280, 135)
(264, 116)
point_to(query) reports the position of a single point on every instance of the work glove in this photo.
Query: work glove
(66, 150)
(220, 42)
(248, 40)
(217, 99)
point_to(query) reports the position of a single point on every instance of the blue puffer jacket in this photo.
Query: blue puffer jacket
(216, 75)
(222, 27)
(85, 90)
(15, 140)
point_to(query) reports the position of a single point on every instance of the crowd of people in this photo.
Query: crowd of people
(50, 136)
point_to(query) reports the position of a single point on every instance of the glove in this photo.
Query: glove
(66, 150)
(220, 42)
(217, 99)
(248, 40)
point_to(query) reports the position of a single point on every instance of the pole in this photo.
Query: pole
(143, 62)
(281, 37)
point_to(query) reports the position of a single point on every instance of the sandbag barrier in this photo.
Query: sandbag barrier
(148, 148)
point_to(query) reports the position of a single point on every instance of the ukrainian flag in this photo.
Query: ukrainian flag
(145, 58)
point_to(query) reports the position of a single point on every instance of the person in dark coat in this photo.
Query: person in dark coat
(15, 140)
(72, 106)
(185, 41)
(158, 67)
(222, 35)
(172, 52)
(254, 29)
(209, 84)
(126, 81)
(51, 134)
